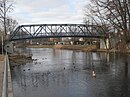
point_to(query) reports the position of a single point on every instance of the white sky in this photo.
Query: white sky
(49, 11)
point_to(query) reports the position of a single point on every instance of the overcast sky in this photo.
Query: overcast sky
(49, 11)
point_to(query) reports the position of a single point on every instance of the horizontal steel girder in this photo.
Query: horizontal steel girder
(56, 30)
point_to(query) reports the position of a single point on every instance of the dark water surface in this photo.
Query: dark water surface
(66, 73)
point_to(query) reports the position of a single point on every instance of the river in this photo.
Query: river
(68, 73)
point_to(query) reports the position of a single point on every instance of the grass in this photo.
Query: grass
(40, 46)
(69, 47)
(2, 57)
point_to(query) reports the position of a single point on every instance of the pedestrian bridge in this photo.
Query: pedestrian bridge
(23, 32)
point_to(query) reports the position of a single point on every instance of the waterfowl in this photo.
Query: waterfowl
(93, 74)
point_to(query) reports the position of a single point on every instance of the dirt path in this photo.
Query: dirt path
(1, 73)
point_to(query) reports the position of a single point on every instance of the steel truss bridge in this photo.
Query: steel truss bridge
(55, 31)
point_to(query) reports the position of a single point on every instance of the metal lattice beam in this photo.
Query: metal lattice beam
(55, 30)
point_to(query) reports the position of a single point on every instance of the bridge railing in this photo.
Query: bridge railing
(5, 80)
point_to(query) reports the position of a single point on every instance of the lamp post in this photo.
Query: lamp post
(2, 44)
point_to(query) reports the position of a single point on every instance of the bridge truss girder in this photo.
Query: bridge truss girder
(55, 30)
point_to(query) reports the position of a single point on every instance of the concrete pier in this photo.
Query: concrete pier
(10, 88)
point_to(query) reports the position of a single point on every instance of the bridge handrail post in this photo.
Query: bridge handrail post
(5, 79)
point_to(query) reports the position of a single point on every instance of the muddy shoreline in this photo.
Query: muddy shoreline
(84, 48)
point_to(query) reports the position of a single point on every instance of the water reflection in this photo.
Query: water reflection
(66, 73)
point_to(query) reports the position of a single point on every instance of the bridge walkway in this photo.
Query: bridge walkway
(1, 73)
(10, 88)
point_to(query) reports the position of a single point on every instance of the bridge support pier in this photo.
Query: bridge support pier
(104, 44)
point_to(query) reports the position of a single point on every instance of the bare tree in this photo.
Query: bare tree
(6, 6)
(95, 18)
(11, 25)
(115, 14)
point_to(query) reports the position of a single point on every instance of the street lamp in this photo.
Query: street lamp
(2, 44)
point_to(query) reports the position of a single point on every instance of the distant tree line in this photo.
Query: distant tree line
(113, 17)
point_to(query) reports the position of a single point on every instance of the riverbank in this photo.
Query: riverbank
(76, 47)
(41, 46)
(20, 59)
(68, 47)
(85, 48)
